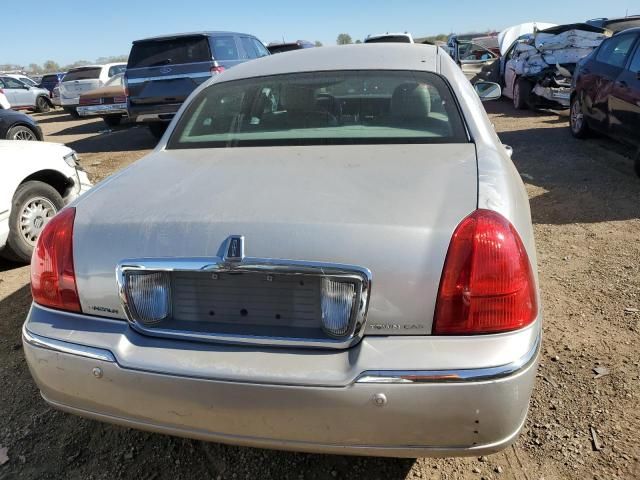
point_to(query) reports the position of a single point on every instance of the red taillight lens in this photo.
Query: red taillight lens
(487, 284)
(121, 99)
(217, 69)
(53, 278)
(90, 101)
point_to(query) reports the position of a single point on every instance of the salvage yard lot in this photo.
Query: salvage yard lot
(585, 204)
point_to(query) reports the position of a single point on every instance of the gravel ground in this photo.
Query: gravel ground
(585, 203)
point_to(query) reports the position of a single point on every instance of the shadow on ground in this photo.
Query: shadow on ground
(121, 139)
(582, 181)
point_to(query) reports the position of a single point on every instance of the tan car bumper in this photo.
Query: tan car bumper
(437, 414)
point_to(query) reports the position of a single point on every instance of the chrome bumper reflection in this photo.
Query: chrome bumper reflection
(66, 347)
(451, 376)
(367, 377)
(113, 109)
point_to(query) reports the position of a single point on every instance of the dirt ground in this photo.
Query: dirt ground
(585, 203)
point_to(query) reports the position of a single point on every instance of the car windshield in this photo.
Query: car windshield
(389, 39)
(115, 81)
(322, 108)
(87, 73)
(27, 81)
(170, 51)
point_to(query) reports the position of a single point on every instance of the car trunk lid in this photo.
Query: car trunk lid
(388, 208)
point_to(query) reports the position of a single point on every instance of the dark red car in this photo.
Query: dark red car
(605, 94)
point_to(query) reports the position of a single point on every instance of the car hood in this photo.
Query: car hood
(25, 150)
(389, 208)
(509, 35)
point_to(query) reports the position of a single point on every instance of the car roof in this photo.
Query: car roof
(191, 34)
(97, 66)
(365, 56)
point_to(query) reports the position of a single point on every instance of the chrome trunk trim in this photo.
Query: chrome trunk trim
(452, 376)
(66, 347)
(360, 276)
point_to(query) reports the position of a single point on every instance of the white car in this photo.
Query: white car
(82, 79)
(4, 102)
(23, 96)
(37, 180)
(23, 78)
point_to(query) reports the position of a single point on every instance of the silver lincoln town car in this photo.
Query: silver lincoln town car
(328, 251)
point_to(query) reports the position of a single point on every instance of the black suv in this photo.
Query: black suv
(163, 71)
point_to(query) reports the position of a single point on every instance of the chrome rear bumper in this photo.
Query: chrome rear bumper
(110, 109)
(383, 412)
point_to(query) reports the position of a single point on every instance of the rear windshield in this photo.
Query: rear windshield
(172, 51)
(322, 108)
(88, 73)
(49, 79)
(389, 39)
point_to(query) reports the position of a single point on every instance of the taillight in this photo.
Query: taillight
(53, 278)
(487, 283)
(216, 69)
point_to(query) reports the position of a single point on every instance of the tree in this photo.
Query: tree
(34, 68)
(50, 66)
(344, 39)
(77, 63)
(358, 41)
(318, 43)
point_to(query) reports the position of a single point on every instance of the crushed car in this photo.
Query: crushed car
(537, 68)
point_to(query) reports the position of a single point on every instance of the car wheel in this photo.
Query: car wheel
(33, 205)
(577, 121)
(42, 106)
(20, 132)
(73, 112)
(157, 129)
(112, 120)
(521, 91)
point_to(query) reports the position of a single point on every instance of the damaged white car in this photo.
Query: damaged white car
(536, 69)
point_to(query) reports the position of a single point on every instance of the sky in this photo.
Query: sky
(65, 31)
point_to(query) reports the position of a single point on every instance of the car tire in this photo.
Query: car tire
(21, 132)
(42, 105)
(521, 92)
(112, 120)
(33, 205)
(577, 122)
(157, 129)
(73, 112)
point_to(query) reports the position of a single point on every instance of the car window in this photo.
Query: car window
(224, 48)
(27, 81)
(474, 52)
(248, 47)
(260, 48)
(116, 69)
(2, 84)
(85, 73)
(115, 81)
(614, 51)
(12, 83)
(172, 51)
(322, 108)
(635, 61)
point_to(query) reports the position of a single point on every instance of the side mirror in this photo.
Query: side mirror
(488, 91)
